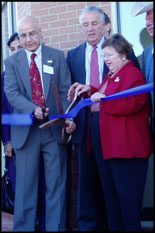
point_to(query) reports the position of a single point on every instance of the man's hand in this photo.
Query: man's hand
(71, 91)
(40, 114)
(81, 88)
(71, 126)
(77, 89)
(8, 149)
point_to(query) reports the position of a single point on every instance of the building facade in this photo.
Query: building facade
(60, 29)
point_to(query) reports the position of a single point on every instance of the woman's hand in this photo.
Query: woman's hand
(96, 97)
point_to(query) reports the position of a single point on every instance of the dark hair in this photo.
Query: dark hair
(119, 43)
(107, 19)
(13, 37)
(92, 9)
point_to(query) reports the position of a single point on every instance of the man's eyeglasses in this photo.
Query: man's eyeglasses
(31, 34)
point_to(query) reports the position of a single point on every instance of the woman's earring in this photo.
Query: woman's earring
(124, 58)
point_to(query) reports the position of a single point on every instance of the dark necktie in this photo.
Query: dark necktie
(36, 86)
(94, 69)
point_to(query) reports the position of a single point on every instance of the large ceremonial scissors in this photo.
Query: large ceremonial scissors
(60, 121)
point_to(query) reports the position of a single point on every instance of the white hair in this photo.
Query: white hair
(91, 9)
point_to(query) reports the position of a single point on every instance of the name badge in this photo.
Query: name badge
(48, 69)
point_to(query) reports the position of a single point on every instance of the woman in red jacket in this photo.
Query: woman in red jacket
(122, 143)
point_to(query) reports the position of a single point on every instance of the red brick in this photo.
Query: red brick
(47, 40)
(47, 4)
(35, 6)
(68, 44)
(50, 32)
(48, 18)
(40, 12)
(44, 26)
(75, 36)
(68, 29)
(76, 6)
(73, 21)
(67, 15)
(58, 24)
(59, 38)
(57, 9)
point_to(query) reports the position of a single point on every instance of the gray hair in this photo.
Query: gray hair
(91, 9)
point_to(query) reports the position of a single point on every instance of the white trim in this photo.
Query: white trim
(114, 23)
(9, 19)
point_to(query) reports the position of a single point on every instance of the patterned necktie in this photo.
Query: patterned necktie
(36, 86)
(94, 69)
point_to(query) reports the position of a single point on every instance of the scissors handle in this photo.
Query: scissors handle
(66, 141)
(73, 103)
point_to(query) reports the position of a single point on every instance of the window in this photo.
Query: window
(8, 27)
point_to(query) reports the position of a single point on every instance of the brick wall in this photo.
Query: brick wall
(59, 21)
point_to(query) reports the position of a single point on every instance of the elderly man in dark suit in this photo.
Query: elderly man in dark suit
(91, 214)
(148, 53)
(14, 45)
(28, 86)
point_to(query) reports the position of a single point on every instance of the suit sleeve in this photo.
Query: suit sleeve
(143, 64)
(69, 63)
(64, 80)
(12, 88)
(6, 108)
(134, 59)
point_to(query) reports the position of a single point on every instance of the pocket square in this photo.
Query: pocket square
(49, 61)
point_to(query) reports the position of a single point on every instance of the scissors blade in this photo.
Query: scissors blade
(73, 103)
(58, 121)
(57, 98)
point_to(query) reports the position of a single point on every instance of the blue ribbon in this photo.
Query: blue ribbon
(27, 119)
(87, 102)
(17, 119)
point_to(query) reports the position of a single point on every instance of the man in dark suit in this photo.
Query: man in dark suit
(91, 214)
(31, 141)
(148, 53)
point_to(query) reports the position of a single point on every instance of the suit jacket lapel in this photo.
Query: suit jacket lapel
(81, 63)
(46, 56)
(23, 69)
(148, 62)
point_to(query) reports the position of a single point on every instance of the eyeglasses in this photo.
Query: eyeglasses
(31, 34)
(109, 55)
